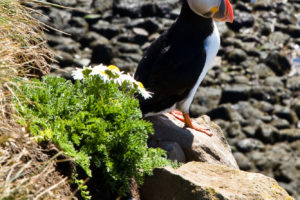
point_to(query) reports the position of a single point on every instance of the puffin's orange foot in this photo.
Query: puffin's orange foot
(177, 114)
(190, 124)
(185, 117)
(198, 128)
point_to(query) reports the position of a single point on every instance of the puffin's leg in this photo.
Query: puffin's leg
(188, 122)
(177, 114)
(185, 117)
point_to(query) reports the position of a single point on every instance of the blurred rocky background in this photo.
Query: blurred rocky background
(252, 92)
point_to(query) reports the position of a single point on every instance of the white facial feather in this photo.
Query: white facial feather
(201, 7)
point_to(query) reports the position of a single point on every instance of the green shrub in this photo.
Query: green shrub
(95, 122)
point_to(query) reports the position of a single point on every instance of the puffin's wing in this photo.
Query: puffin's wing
(169, 71)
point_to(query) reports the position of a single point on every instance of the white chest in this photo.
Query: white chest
(211, 45)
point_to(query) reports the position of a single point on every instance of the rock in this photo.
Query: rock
(237, 56)
(283, 160)
(234, 129)
(129, 48)
(274, 81)
(296, 107)
(249, 144)
(141, 35)
(174, 151)
(243, 162)
(285, 113)
(263, 71)
(241, 20)
(130, 8)
(102, 5)
(149, 24)
(264, 93)
(289, 134)
(208, 97)
(124, 65)
(278, 63)
(210, 181)
(195, 145)
(235, 93)
(92, 39)
(293, 31)
(293, 83)
(106, 29)
(102, 53)
(280, 123)
(267, 133)
(225, 112)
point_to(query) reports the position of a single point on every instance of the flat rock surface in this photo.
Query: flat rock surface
(196, 146)
(196, 180)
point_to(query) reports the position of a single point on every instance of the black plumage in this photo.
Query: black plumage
(173, 63)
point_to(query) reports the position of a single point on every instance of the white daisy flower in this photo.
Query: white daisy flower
(142, 91)
(126, 77)
(77, 74)
(98, 69)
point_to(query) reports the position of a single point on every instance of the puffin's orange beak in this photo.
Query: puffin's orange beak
(225, 12)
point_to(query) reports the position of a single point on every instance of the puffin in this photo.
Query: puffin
(175, 64)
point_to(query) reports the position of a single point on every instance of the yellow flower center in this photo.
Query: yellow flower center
(141, 85)
(113, 67)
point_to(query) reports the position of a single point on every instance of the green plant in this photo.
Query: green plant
(95, 121)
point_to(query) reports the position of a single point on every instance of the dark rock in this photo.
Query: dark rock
(226, 112)
(131, 57)
(293, 31)
(141, 35)
(102, 5)
(70, 3)
(234, 129)
(263, 106)
(266, 29)
(241, 20)
(149, 24)
(296, 107)
(129, 48)
(59, 18)
(249, 144)
(235, 93)
(106, 29)
(268, 94)
(285, 113)
(274, 81)
(293, 83)
(267, 133)
(91, 39)
(278, 63)
(65, 59)
(243, 162)
(124, 65)
(289, 134)
(76, 33)
(102, 53)
(263, 71)
(237, 56)
(262, 6)
(130, 8)
(208, 97)
(174, 151)
(249, 131)
(280, 123)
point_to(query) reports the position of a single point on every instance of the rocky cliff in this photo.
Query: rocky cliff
(210, 171)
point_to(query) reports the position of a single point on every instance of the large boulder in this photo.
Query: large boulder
(196, 180)
(171, 135)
